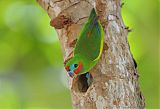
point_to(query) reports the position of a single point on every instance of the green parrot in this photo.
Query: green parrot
(88, 48)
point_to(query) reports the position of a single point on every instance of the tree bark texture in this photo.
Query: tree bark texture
(115, 79)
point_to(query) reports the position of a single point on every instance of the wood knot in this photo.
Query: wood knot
(60, 21)
(105, 47)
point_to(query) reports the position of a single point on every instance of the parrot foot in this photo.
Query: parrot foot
(89, 78)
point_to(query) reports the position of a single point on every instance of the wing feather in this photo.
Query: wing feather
(90, 46)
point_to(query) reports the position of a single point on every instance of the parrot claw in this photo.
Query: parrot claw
(89, 78)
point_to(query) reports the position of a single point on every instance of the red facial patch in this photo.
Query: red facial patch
(79, 68)
(67, 68)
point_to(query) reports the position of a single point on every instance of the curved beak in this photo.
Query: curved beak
(71, 74)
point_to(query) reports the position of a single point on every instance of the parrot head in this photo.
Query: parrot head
(74, 66)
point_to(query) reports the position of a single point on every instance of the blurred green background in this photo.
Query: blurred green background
(31, 63)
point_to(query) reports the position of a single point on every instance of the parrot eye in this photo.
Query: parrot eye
(75, 65)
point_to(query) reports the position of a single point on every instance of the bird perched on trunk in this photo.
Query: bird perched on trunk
(88, 48)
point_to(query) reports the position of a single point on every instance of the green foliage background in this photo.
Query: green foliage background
(31, 63)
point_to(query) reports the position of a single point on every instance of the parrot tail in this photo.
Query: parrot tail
(94, 23)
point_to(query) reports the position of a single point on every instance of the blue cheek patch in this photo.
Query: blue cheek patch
(72, 67)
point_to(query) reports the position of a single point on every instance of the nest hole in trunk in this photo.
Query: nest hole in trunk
(82, 83)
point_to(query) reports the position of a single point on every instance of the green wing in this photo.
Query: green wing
(90, 42)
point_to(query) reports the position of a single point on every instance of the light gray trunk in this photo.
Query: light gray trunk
(115, 79)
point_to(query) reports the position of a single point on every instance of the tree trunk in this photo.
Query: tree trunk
(115, 79)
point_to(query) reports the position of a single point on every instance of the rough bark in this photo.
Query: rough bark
(115, 81)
